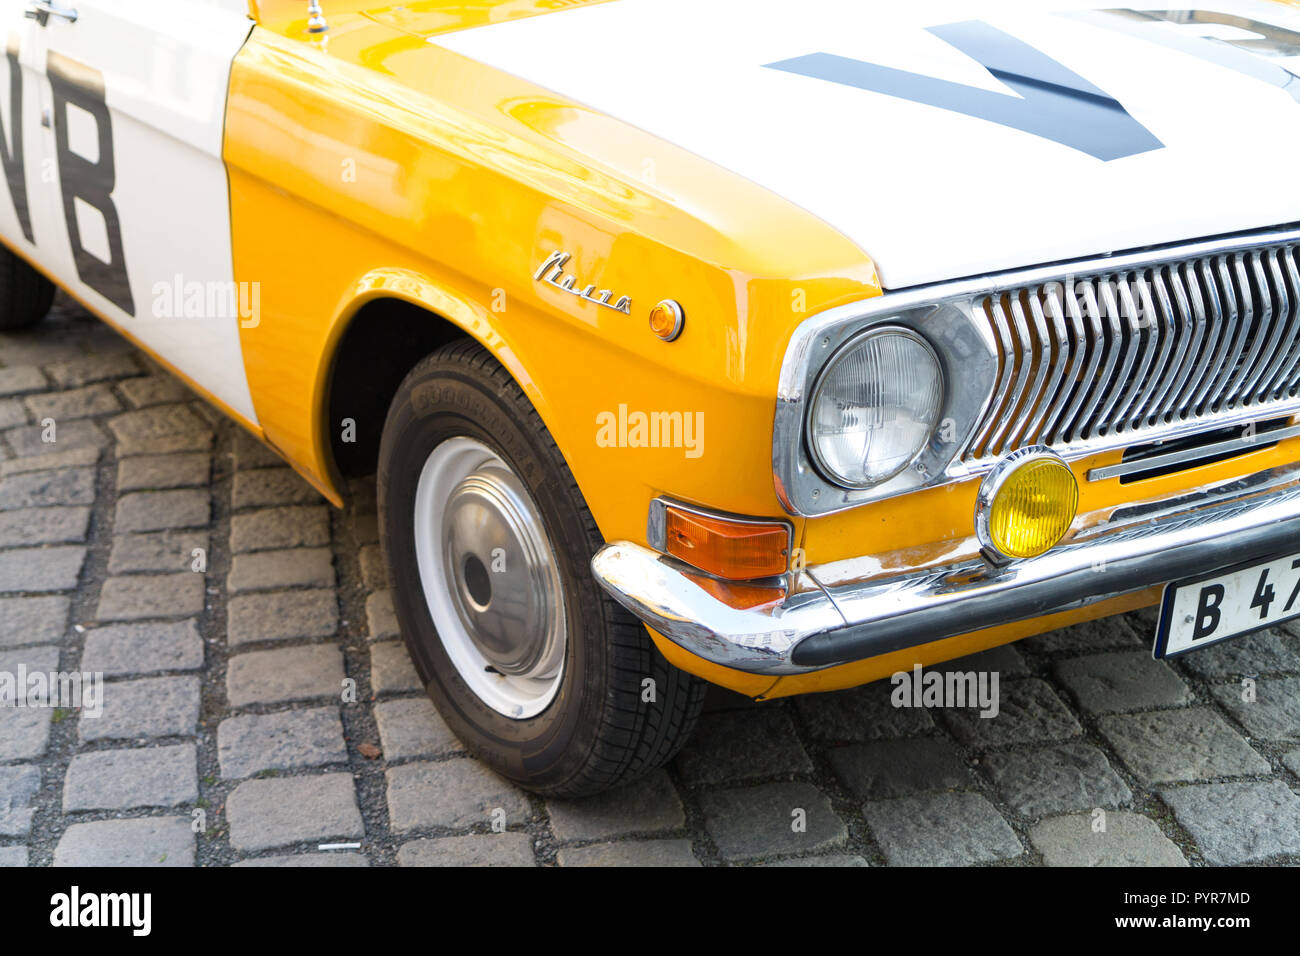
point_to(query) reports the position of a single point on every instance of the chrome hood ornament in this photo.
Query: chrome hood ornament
(552, 273)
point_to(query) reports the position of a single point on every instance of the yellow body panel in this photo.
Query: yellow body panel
(355, 175)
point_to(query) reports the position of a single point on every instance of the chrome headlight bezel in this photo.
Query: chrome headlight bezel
(968, 363)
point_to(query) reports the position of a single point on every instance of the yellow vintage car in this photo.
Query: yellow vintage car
(779, 346)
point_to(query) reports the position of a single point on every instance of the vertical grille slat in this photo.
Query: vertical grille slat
(1113, 358)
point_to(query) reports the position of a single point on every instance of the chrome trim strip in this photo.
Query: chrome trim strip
(1257, 441)
(816, 627)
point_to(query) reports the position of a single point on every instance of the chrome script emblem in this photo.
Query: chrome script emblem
(552, 273)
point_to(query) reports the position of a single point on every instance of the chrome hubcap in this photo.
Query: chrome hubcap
(490, 577)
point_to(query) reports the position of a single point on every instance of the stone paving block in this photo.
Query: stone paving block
(148, 390)
(28, 526)
(143, 648)
(24, 732)
(13, 855)
(40, 569)
(142, 841)
(40, 349)
(1292, 762)
(157, 551)
(1273, 714)
(161, 472)
(477, 849)
(649, 805)
(830, 859)
(1029, 710)
(391, 669)
(1004, 660)
(88, 369)
(1246, 656)
(740, 745)
(941, 829)
(293, 673)
(12, 413)
(162, 510)
(32, 658)
(630, 853)
(289, 740)
(1235, 823)
(123, 779)
(271, 570)
(411, 727)
(1108, 633)
(1129, 839)
(374, 568)
(1121, 682)
(455, 793)
(863, 713)
(280, 811)
(79, 435)
(381, 619)
(141, 596)
(159, 430)
(32, 620)
(1073, 776)
(21, 380)
(18, 786)
(884, 769)
(267, 487)
(152, 707)
(41, 489)
(1189, 744)
(771, 819)
(53, 461)
(251, 453)
(296, 526)
(74, 403)
(278, 617)
(307, 859)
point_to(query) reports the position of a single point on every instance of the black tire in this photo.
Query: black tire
(25, 294)
(597, 732)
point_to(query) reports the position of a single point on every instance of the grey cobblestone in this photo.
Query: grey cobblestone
(380, 617)
(285, 741)
(742, 746)
(41, 489)
(1073, 776)
(650, 805)
(941, 829)
(160, 430)
(148, 841)
(12, 413)
(148, 390)
(277, 617)
(391, 670)
(143, 648)
(1252, 654)
(86, 370)
(162, 510)
(25, 731)
(156, 551)
(40, 569)
(277, 812)
(884, 769)
(631, 853)
(374, 569)
(161, 472)
(75, 403)
(1274, 712)
(410, 727)
(139, 597)
(32, 620)
(477, 849)
(455, 793)
(1129, 839)
(272, 570)
(78, 435)
(18, 785)
(152, 707)
(27, 526)
(771, 819)
(22, 379)
(267, 487)
(1239, 822)
(299, 526)
(1029, 711)
(1190, 744)
(124, 779)
(331, 859)
(50, 458)
(1126, 681)
(279, 676)
(13, 856)
(863, 713)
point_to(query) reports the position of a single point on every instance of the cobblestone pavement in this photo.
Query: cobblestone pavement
(226, 711)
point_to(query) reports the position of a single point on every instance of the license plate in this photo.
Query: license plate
(1213, 608)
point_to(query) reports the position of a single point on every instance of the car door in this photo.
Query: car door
(142, 212)
(23, 101)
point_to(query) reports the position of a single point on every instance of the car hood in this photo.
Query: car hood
(945, 139)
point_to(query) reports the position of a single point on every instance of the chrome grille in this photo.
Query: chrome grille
(1108, 359)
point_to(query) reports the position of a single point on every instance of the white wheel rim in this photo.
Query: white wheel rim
(490, 578)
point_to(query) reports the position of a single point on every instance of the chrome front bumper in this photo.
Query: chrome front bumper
(811, 624)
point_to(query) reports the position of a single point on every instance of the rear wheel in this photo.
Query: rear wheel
(489, 542)
(25, 294)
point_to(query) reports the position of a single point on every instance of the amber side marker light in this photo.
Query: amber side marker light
(732, 549)
(1026, 505)
(667, 319)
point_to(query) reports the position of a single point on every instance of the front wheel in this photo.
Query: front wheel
(25, 294)
(489, 542)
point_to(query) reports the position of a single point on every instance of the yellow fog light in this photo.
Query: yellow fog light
(1026, 504)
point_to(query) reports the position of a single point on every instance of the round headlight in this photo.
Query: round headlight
(875, 407)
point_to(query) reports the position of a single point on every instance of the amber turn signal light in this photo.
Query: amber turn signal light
(729, 548)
